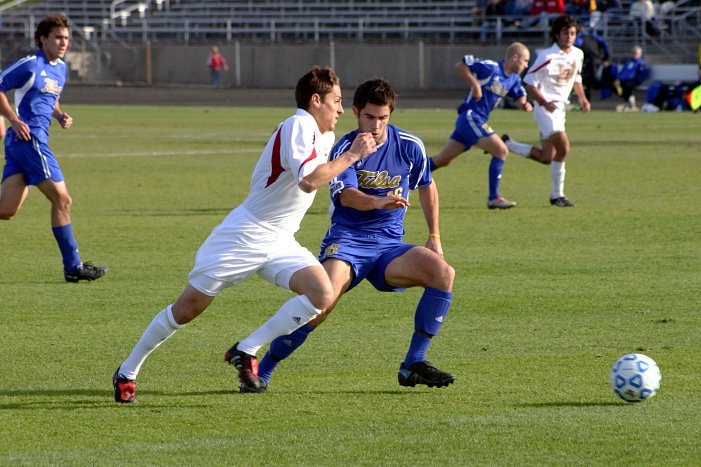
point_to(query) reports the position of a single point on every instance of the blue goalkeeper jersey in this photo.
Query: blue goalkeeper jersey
(38, 84)
(495, 83)
(398, 166)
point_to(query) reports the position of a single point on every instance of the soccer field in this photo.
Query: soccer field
(546, 299)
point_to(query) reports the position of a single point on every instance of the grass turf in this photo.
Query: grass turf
(546, 299)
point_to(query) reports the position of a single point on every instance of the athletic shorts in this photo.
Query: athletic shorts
(549, 123)
(33, 159)
(368, 255)
(243, 245)
(468, 130)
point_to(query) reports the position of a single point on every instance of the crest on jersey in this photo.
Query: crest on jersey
(51, 87)
(331, 250)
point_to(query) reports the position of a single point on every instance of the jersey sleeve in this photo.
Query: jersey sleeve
(17, 74)
(302, 157)
(347, 178)
(420, 174)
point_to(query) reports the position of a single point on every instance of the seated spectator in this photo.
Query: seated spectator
(492, 21)
(643, 11)
(543, 10)
(517, 10)
(633, 72)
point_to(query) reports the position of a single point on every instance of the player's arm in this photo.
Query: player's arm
(21, 128)
(466, 74)
(363, 145)
(523, 104)
(352, 197)
(536, 96)
(428, 196)
(581, 97)
(65, 120)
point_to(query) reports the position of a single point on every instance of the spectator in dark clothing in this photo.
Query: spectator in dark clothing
(596, 59)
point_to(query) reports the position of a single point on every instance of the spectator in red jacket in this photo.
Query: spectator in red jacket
(216, 63)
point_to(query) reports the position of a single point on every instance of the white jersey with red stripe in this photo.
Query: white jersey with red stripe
(555, 71)
(294, 150)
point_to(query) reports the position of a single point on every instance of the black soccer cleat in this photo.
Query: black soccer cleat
(86, 272)
(423, 373)
(505, 138)
(124, 389)
(247, 366)
(561, 202)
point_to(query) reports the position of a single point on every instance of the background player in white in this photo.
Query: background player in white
(258, 235)
(38, 80)
(555, 73)
(364, 241)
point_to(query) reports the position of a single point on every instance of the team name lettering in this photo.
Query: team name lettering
(51, 86)
(369, 179)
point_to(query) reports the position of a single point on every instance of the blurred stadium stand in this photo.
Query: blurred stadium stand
(100, 26)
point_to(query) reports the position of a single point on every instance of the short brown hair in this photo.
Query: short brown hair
(318, 80)
(47, 24)
(376, 91)
(560, 23)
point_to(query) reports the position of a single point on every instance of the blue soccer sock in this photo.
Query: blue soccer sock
(68, 246)
(281, 348)
(496, 167)
(428, 319)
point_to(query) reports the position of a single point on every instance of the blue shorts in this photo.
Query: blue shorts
(33, 159)
(468, 130)
(368, 255)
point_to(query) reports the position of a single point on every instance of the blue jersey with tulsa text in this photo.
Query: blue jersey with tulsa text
(38, 84)
(495, 83)
(399, 165)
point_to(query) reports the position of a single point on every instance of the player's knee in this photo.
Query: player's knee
(443, 277)
(64, 203)
(322, 298)
(7, 213)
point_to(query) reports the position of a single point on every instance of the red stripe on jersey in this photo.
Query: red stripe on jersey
(277, 169)
(311, 157)
(540, 67)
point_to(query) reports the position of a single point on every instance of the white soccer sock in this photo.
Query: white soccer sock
(557, 173)
(522, 149)
(296, 312)
(161, 328)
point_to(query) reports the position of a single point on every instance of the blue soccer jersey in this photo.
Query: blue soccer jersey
(38, 84)
(495, 83)
(399, 165)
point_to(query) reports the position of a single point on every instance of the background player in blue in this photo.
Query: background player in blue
(38, 80)
(365, 238)
(489, 83)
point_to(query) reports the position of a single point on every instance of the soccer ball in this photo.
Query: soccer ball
(635, 377)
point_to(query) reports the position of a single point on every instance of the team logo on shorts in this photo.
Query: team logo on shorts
(331, 250)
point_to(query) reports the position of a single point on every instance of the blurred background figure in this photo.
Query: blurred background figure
(633, 72)
(216, 63)
(596, 59)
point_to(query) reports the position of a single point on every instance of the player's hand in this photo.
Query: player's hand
(65, 120)
(434, 244)
(585, 105)
(477, 93)
(391, 202)
(21, 130)
(550, 106)
(363, 145)
(527, 107)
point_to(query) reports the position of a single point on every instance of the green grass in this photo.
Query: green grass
(546, 299)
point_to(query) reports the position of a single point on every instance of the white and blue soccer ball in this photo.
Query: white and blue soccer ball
(635, 377)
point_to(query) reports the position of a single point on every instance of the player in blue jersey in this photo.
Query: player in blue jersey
(489, 83)
(38, 80)
(364, 241)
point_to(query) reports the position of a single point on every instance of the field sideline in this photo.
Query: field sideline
(546, 300)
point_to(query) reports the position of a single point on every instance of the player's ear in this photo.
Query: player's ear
(356, 111)
(316, 100)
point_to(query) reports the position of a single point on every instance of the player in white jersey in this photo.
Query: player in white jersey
(549, 82)
(258, 235)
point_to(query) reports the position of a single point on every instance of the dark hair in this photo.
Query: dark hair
(47, 24)
(376, 91)
(316, 81)
(560, 23)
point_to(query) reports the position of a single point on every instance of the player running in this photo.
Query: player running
(39, 79)
(489, 83)
(258, 235)
(557, 71)
(364, 241)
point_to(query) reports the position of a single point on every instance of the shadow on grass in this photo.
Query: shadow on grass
(569, 404)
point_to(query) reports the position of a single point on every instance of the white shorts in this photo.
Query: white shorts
(549, 123)
(243, 245)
